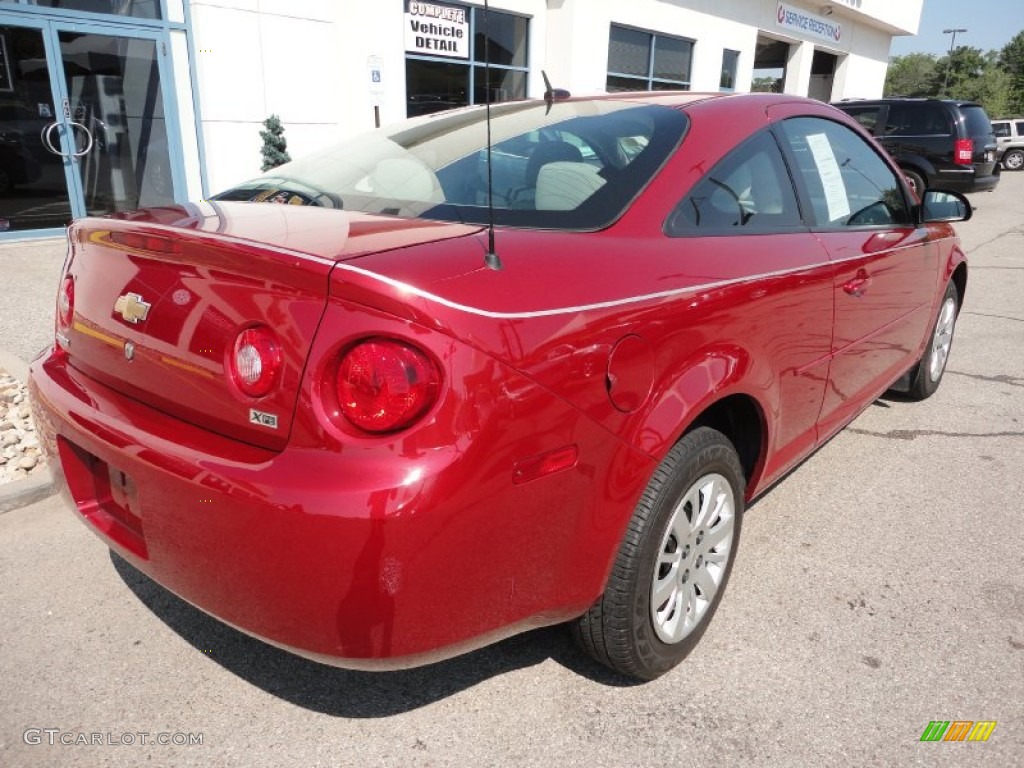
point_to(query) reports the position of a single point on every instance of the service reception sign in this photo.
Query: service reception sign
(436, 30)
(799, 20)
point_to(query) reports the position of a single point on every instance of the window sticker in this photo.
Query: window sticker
(831, 178)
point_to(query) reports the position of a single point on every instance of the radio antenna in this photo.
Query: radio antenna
(551, 95)
(491, 258)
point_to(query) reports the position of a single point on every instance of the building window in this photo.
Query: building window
(644, 61)
(445, 56)
(141, 9)
(730, 63)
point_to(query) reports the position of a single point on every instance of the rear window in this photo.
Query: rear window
(575, 165)
(976, 121)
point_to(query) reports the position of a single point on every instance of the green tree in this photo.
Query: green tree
(994, 79)
(978, 77)
(993, 92)
(1011, 58)
(1011, 61)
(275, 146)
(911, 75)
(957, 70)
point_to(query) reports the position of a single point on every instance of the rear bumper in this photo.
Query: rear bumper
(966, 180)
(368, 558)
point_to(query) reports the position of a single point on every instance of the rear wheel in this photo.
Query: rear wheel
(928, 374)
(915, 180)
(674, 561)
(1013, 160)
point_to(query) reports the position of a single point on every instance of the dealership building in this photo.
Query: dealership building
(109, 105)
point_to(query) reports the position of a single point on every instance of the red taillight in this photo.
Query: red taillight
(256, 361)
(385, 385)
(66, 305)
(964, 151)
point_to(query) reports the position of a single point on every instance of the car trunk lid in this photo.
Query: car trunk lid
(158, 309)
(979, 146)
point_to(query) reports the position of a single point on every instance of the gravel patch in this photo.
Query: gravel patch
(20, 453)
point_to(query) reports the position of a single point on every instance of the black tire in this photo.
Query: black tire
(1013, 160)
(927, 374)
(620, 629)
(916, 181)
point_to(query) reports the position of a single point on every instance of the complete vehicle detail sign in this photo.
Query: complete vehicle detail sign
(436, 30)
(802, 21)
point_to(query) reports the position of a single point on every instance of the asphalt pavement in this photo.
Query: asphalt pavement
(879, 587)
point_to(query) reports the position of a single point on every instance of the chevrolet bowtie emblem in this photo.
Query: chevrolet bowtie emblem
(131, 307)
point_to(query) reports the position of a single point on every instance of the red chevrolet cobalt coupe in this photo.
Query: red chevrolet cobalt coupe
(345, 425)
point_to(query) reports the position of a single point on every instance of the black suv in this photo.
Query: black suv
(939, 143)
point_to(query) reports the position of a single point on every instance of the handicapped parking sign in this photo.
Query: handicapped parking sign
(376, 67)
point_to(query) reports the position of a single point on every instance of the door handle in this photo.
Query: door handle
(858, 285)
(88, 136)
(45, 136)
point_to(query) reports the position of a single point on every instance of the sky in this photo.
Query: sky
(990, 25)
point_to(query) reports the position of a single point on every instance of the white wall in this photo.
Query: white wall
(577, 44)
(306, 60)
(578, 38)
(255, 58)
(862, 74)
(361, 34)
(902, 16)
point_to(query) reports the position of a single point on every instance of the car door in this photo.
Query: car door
(885, 269)
(1001, 129)
(743, 219)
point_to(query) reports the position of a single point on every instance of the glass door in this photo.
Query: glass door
(83, 128)
(34, 162)
(115, 110)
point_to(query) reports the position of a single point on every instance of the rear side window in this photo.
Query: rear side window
(847, 182)
(748, 190)
(1002, 130)
(918, 119)
(976, 121)
(1020, 128)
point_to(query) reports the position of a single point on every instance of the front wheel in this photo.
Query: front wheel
(928, 372)
(674, 561)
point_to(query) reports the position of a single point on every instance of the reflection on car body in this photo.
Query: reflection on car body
(408, 450)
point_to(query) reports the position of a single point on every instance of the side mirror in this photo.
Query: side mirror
(939, 205)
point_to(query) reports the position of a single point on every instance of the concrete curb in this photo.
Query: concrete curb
(14, 365)
(21, 493)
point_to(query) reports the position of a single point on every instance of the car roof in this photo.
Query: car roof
(908, 100)
(686, 100)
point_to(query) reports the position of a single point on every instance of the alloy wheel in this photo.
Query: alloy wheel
(693, 557)
(943, 339)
